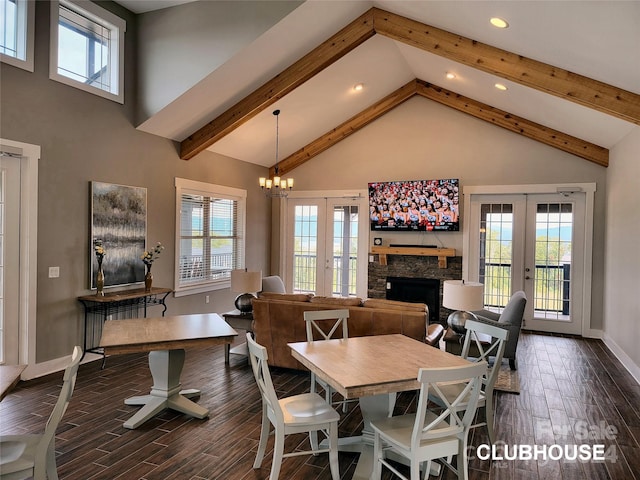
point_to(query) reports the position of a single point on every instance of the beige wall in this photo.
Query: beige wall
(421, 139)
(84, 138)
(180, 46)
(622, 304)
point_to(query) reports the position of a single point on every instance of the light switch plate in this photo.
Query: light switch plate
(54, 272)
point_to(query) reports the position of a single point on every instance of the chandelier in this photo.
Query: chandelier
(276, 186)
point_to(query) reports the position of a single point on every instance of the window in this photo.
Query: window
(87, 48)
(210, 235)
(17, 33)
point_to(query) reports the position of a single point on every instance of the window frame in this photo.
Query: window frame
(26, 36)
(193, 187)
(108, 20)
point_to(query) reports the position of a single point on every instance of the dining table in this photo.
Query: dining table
(372, 369)
(165, 338)
(9, 378)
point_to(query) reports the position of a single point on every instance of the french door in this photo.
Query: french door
(9, 258)
(326, 251)
(535, 243)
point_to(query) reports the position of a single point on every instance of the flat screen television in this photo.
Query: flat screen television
(416, 205)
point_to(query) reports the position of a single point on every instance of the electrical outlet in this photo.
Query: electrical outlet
(54, 272)
(206, 299)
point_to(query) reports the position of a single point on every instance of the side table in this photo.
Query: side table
(242, 321)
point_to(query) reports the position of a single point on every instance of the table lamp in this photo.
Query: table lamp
(463, 297)
(245, 283)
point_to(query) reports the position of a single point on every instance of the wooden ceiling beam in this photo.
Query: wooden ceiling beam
(522, 126)
(525, 71)
(331, 50)
(342, 131)
(562, 141)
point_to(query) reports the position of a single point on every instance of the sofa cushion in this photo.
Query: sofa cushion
(338, 301)
(394, 305)
(292, 297)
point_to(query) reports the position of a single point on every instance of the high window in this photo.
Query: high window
(87, 48)
(210, 230)
(17, 33)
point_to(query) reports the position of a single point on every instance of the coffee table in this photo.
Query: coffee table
(165, 338)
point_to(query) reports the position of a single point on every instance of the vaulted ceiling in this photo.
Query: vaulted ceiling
(572, 70)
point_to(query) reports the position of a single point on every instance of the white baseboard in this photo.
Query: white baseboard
(592, 333)
(53, 366)
(626, 361)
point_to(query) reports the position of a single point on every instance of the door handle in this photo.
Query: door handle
(527, 277)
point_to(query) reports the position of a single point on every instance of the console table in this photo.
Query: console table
(119, 304)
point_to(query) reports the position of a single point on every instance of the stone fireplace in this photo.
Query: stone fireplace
(418, 268)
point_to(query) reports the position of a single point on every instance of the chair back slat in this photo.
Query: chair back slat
(313, 317)
(68, 384)
(448, 422)
(495, 348)
(258, 357)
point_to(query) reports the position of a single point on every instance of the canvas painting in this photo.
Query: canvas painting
(119, 221)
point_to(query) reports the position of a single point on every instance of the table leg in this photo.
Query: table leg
(166, 367)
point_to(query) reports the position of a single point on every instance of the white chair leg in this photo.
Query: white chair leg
(427, 470)
(264, 437)
(376, 471)
(278, 451)
(488, 416)
(313, 439)
(333, 452)
(415, 469)
(462, 464)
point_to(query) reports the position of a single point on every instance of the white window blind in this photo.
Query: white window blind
(211, 239)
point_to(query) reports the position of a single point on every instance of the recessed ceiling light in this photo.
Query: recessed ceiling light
(500, 86)
(358, 86)
(451, 76)
(499, 22)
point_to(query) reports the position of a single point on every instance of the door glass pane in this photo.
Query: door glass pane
(554, 232)
(345, 250)
(305, 248)
(496, 252)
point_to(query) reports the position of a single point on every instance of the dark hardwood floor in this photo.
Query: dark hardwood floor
(573, 391)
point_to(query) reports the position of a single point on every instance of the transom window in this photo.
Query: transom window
(211, 240)
(87, 48)
(17, 33)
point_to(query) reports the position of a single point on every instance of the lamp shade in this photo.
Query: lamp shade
(461, 295)
(245, 282)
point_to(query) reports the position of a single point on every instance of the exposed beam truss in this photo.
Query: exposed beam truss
(546, 78)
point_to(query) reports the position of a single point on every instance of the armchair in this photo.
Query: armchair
(510, 319)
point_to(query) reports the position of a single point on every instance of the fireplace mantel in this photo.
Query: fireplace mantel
(441, 253)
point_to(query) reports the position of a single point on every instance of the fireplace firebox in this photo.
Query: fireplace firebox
(418, 290)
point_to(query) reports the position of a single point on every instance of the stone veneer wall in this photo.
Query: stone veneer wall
(412, 266)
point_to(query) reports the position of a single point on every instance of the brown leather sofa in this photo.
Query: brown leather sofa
(279, 319)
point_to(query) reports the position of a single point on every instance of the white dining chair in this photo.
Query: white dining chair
(304, 413)
(33, 455)
(489, 342)
(316, 323)
(425, 436)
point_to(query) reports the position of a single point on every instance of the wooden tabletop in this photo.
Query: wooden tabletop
(165, 333)
(9, 377)
(362, 366)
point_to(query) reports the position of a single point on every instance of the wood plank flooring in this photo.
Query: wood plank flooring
(573, 391)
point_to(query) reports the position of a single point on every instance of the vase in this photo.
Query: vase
(100, 281)
(148, 279)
